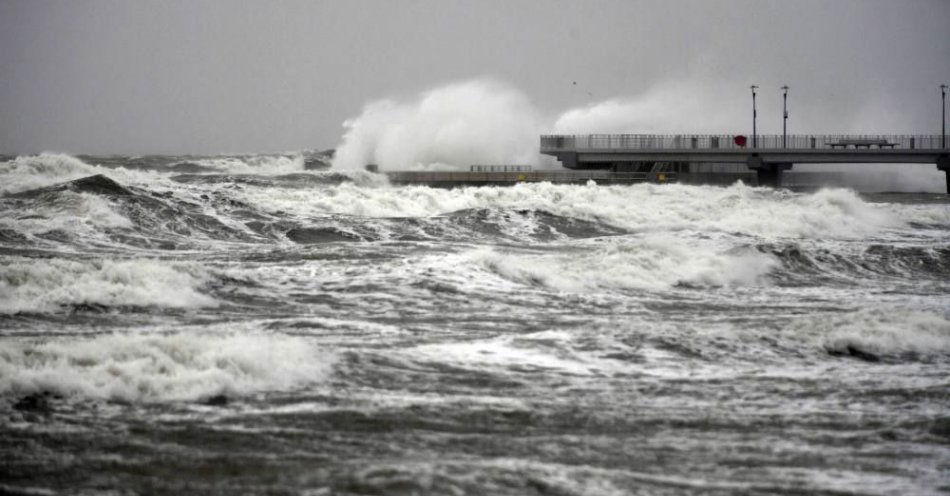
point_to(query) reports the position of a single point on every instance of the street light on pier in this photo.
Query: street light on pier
(784, 113)
(754, 136)
(943, 116)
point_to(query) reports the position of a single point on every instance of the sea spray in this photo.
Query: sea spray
(488, 122)
(452, 126)
(668, 108)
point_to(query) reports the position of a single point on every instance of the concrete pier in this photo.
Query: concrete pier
(943, 163)
(768, 173)
(772, 156)
(446, 179)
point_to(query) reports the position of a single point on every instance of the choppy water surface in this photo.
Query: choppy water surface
(243, 324)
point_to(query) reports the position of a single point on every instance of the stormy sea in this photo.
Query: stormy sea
(262, 324)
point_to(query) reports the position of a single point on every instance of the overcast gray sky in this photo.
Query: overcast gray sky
(122, 76)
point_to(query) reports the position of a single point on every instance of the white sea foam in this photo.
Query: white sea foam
(46, 285)
(452, 126)
(254, 164)
(500, 475)
(882, 331)
(740, 209)
(653, 262)
(76, 213)
(930, 214)
(546, 350)
(161, 367)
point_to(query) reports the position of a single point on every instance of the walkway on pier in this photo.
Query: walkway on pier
(768, 155)
(452, 179)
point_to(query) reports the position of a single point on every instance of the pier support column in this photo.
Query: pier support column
(770, 176)
(567, 159)
(943, 163)
(768, 173)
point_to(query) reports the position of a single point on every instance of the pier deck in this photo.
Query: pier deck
(446, 179)
(451, 179)
(767, 155)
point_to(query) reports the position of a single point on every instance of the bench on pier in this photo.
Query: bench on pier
(862, 143)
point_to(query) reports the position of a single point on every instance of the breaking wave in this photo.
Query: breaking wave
(176, 367)
(667, 235)
(887, 333)
(651, 263)
(802, 262)
(56, 285)
(246, 164)
(28, 172)
(640, 208)
(37, 171)
(69, 212)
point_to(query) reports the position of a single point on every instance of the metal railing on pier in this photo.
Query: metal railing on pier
(500, 168)
(825, 142)
(552, 176)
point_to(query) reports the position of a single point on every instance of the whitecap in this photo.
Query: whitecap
(176, 367)
(46, 286)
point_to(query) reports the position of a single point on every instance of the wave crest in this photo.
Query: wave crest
(655, 263)
(49, 286)
(249, 164)
(891, 333)
(28, 172)
(176, 367)
(640, 208)
(35, 171)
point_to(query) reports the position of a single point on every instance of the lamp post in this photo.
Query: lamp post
(943, 116)
(754, 136)
(784, 113)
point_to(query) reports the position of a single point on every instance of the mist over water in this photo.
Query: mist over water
(164, 319)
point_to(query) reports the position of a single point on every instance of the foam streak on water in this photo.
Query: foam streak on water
(257, 323)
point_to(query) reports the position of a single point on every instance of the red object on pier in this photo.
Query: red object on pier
(739, 140)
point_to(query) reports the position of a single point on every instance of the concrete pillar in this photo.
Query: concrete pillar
(567, 159)
(943, 163)
(769, 176)
(768, 173)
